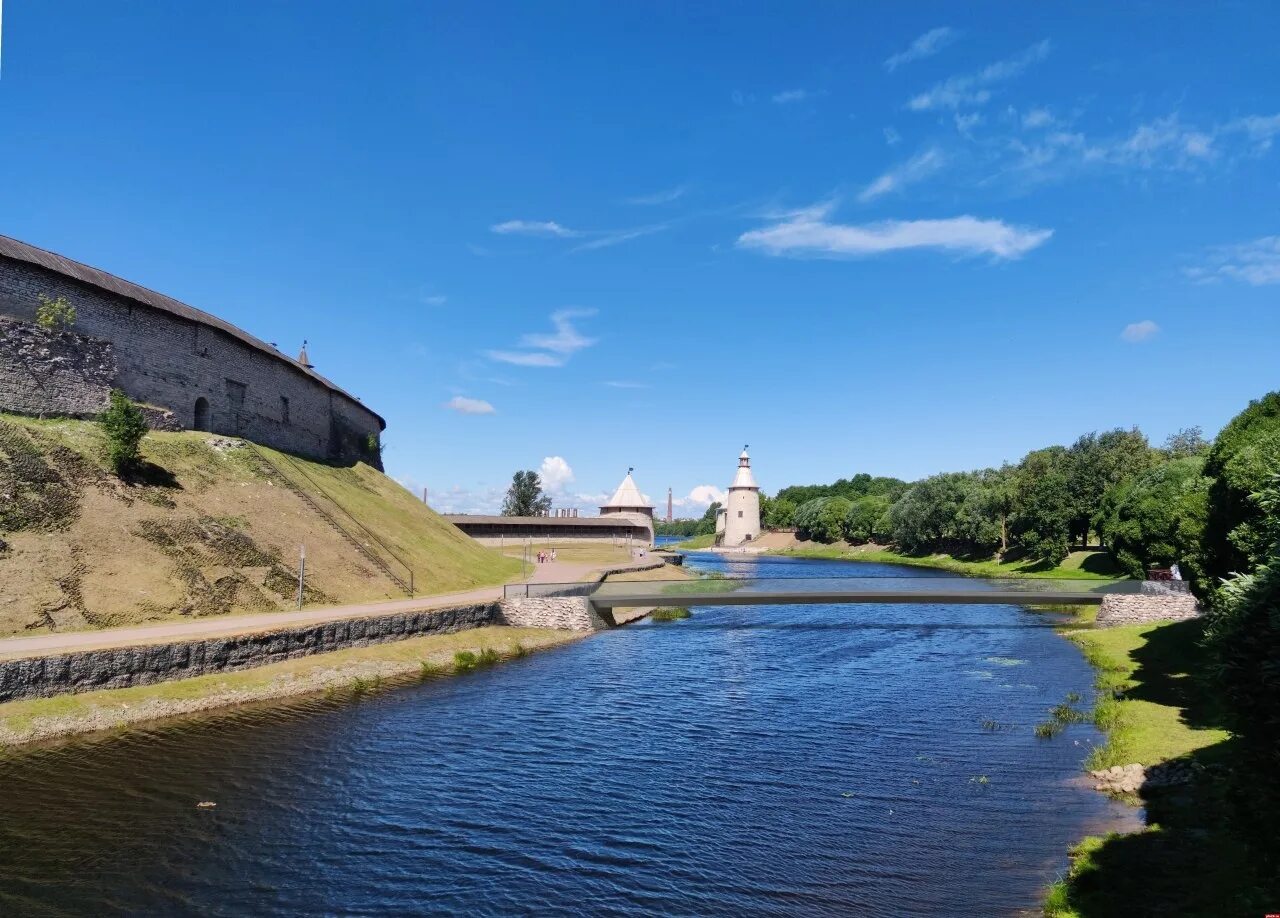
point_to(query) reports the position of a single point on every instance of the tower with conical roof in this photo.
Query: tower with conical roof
(629, 502)
(742, 506)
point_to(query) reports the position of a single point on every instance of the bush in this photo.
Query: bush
(1244, 631)
(125, 427)
(56, 314)
(1158, 519)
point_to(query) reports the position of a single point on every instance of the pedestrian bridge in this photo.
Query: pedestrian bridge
(603, 598)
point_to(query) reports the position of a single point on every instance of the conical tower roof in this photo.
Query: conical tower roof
(627, 495)
(744, 478)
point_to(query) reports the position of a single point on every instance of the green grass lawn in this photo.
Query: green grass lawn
(1195, 857)
(1080, 565)
(693, 543)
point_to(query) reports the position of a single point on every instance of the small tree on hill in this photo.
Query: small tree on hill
(55, 314)
(525, 497)
(125, 427)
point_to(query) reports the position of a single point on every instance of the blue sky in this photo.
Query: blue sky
(894, 238)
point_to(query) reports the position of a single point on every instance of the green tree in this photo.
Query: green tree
(1158, 518)
(943, 513)
(524, 496)
(1244, 456)
(1189, 441)
(125, 427)
(828, 523)
(862, 522)
(1043, 505)
(55, 314)
(806, 517)
(1098, 462)
(781, 514)
(707, 525)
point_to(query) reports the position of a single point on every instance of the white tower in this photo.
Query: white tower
(742, 507)
(628, 502)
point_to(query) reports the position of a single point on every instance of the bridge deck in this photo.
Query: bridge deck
(611, 600)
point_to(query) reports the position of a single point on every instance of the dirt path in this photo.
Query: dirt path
(228, 625)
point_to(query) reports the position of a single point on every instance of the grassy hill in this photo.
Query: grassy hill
(211, 526)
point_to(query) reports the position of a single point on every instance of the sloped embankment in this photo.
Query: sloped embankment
(208, 528)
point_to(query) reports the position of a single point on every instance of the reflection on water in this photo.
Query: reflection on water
(764, 760)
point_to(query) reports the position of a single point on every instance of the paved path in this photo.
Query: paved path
(227, 625)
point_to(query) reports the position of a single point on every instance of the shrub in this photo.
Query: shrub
(125, 427)
(56, 314)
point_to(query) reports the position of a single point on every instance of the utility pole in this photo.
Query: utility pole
(424, 495)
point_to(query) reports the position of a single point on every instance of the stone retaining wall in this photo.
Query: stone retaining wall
(1118, 609)
(122, 667)
(573, 613)
(53, 373)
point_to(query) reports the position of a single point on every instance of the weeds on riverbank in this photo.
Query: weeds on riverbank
(465, 660)
(670, 615)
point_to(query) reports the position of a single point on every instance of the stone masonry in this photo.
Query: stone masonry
(1159, 601)
(207, 373)
(59, 373)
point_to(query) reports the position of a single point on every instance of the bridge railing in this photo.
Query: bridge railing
(786, 590)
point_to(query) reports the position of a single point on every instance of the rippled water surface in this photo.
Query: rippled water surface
(747, 761)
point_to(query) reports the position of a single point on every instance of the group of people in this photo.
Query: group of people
(545, 556)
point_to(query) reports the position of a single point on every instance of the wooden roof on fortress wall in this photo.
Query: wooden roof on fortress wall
(50, 261)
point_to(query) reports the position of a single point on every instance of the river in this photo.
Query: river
(746, 761)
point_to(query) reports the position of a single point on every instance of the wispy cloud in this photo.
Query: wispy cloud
(433, 299)
(1137, 332)
(808, 233)
(666, 196)
(1165, 141)
(892, 137)
(926, 45)
(917, 168)
(549, 349)
(544, 228)
(624, 384)
(464, 405)
(975, 88)
(788, 96)
(612, 237)
(1037, 118)
(1256, 263)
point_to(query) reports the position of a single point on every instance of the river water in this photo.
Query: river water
(747, 761)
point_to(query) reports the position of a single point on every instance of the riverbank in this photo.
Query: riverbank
(1157, 708)
(1079, 565)
(353, 670)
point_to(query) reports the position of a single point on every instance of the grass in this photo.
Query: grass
(1201, 852)
(693, 543)
(571, 552)
(1080, 565)
(203, 532)
(670, 615)
(358, 669)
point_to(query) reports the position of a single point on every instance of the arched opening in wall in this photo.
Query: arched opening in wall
(202, 414)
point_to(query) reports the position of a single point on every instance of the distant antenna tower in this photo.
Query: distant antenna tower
(668, 505)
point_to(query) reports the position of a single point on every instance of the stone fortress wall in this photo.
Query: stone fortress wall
(207, 374)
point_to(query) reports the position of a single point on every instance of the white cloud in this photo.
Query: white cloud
(556, 474)
(966, 123)
(1164, 142)
(665, 196)
(807, 233)
(1037, 118)
(435, 299)
(892, 137)
(700, 497)
(926, 45)
(624, 384)
(464, 405)
(1256, 263)
(606, 238)
(918, 167)
(1135, 332)
(549, 349)
(1258, 128)
(533, 228)
(790, 95)
(974, 88)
